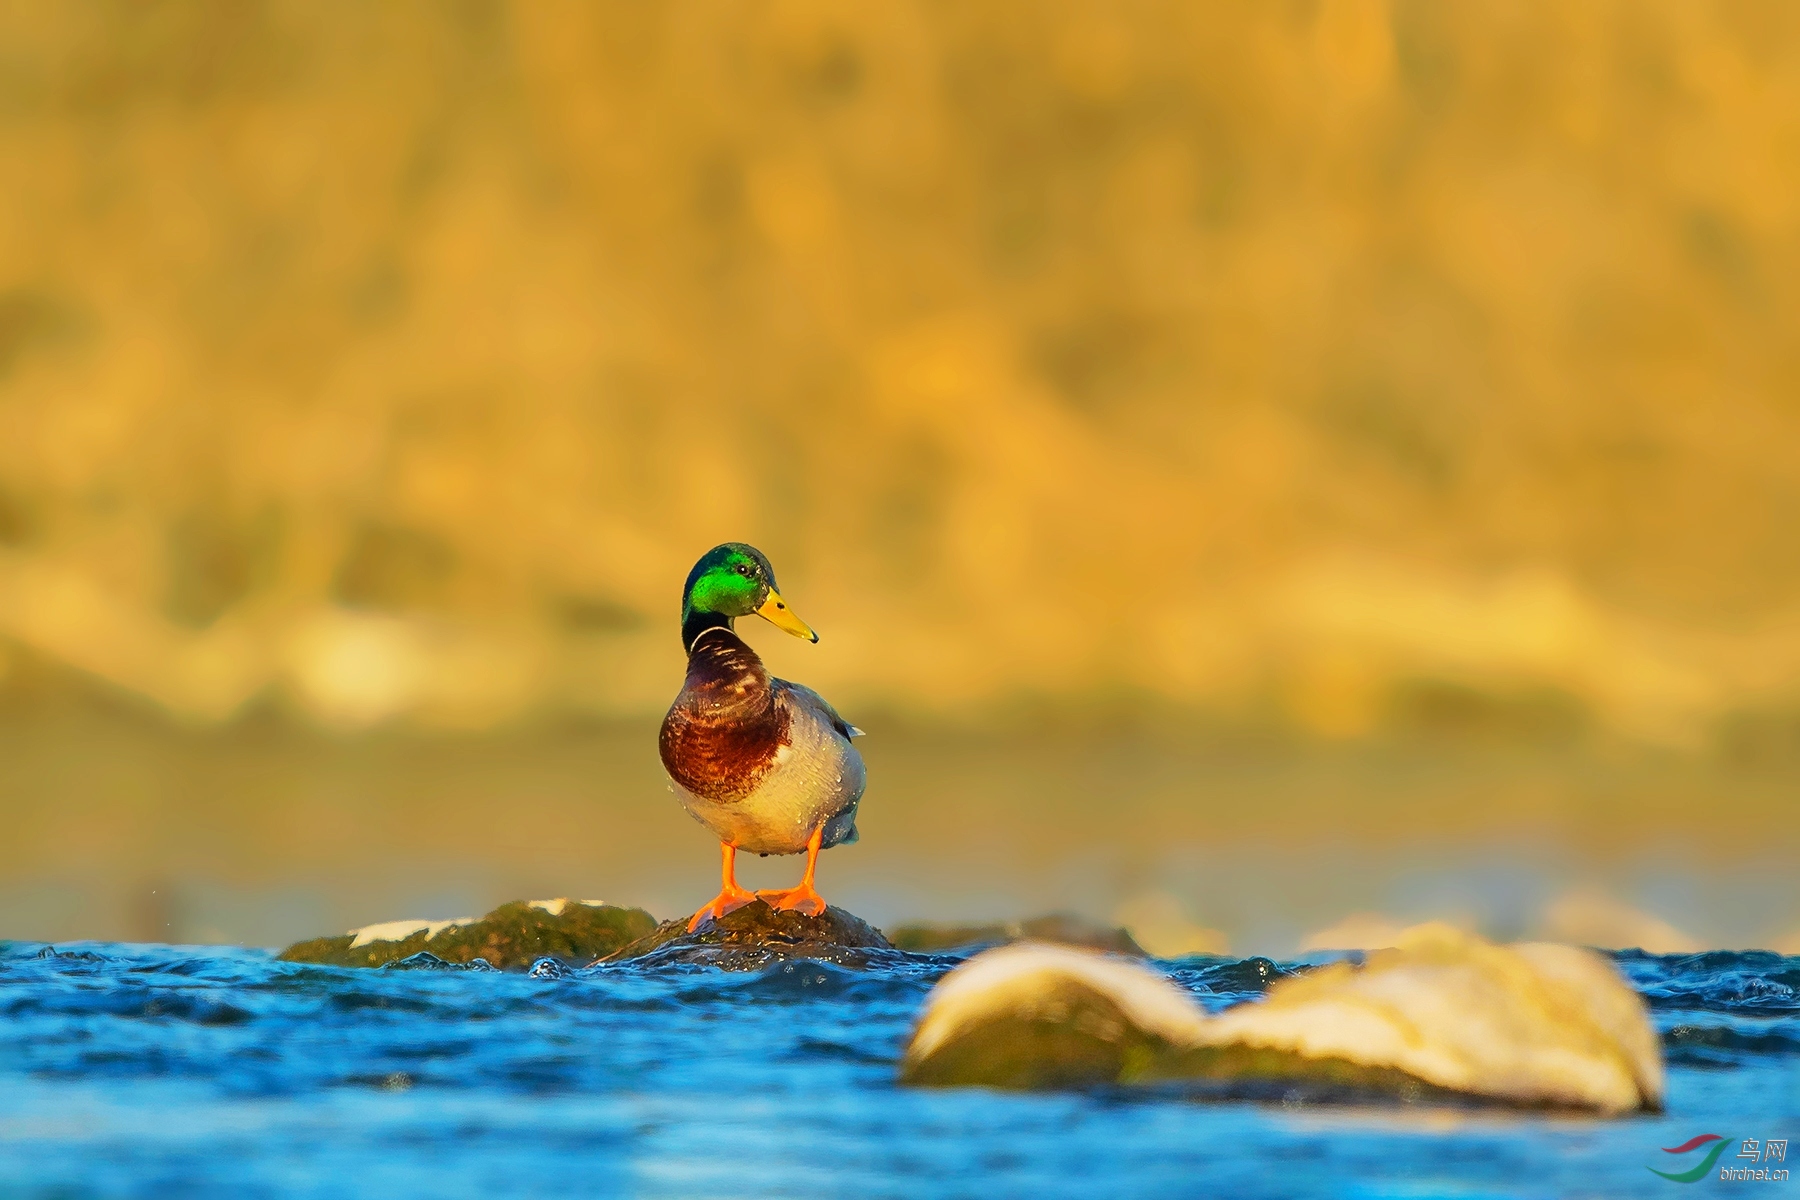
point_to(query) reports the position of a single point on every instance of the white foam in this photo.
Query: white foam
(399, 931)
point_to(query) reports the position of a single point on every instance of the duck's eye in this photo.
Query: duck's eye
(744, 570)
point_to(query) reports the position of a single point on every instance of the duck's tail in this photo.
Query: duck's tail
(835, 832)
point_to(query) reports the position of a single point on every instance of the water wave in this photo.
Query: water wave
(208, 1071)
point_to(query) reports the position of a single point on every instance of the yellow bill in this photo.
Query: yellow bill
(778, 614)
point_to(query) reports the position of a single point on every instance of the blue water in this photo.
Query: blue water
(145, 1070)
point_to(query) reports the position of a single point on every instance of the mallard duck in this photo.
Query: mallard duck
(767, 765)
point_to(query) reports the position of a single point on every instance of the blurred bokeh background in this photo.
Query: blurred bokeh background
(1260, 470)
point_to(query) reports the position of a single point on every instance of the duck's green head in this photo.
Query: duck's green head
(734, 580)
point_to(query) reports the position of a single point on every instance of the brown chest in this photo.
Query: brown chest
(721, 759)
(725, 729)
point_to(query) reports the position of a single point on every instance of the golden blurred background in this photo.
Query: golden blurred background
(1250, 463)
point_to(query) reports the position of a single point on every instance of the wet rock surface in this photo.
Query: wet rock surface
(513, 937)
(757, 936)
(547, 938)
(1062, 929)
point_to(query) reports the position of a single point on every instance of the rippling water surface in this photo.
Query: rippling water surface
(132, 1070)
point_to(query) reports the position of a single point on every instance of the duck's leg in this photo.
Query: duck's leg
(802, 899)
(731, 897)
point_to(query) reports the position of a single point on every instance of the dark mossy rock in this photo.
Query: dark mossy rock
(757, 936)
(1236, 1072)
(1062, 929)
(511, 938)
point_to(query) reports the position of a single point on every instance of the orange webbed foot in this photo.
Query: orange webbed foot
(802, 899)
(727, 901)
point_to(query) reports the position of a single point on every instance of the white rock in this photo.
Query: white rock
(1590, 917)
(1529, 1024)
(1534, 1023)
(1012, 980)
(1358, 931)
